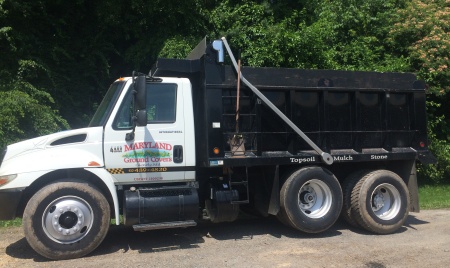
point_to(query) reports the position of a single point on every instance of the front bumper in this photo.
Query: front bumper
(9, 201)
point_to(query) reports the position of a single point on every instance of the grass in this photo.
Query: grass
(434, 196)
(430, 197)
(12, 223)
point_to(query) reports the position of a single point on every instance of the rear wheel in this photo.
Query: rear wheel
(311, 200)
(349, 184)
(66, 220)
(380, 202)
(282, 217)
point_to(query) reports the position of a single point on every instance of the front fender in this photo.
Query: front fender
(108, 180)
(31, 166)
(24, 180)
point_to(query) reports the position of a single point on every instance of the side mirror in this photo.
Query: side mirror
(141, 118)
(141, 93)
(139, 106)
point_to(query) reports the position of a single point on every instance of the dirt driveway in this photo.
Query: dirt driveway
(423, 242)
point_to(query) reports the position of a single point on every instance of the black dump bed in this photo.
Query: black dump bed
(354, 116)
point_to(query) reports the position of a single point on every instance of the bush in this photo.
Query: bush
(439, 145)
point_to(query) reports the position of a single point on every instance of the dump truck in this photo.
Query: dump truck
(197, 139)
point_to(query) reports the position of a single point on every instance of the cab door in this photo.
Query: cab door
(157, 152)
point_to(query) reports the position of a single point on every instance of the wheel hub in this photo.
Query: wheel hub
(314, 198)
(378, 201)
(386, 201)
(307, 197)
(67, 219)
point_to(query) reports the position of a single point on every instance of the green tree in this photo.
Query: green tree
(422, 33)
(347, 34)
(65, 48)
(26, 109)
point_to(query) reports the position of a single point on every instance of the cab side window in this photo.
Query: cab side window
(161, 103)
(161, 106)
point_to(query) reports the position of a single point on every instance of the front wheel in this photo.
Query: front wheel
(66, 220)
(380, 202)
(311, 200)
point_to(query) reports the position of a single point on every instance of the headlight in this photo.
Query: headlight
(7, 178)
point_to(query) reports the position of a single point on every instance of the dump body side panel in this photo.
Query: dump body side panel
(355, 116)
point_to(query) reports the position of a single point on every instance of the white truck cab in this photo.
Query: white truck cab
(112, 150)
(160, 151)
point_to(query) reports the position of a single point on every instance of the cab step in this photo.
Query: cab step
(163, 225)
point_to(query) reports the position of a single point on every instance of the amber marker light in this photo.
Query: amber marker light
(7, 178)
(216, 150)
(93, 164)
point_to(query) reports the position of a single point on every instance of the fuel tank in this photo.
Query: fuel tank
(164, 204)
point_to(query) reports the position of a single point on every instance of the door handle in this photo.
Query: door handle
(178, 154)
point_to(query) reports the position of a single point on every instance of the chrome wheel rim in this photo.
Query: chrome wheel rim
(315, 198)
(386, 201)
(67, 219)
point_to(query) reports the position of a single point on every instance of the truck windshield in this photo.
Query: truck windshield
(107, 104)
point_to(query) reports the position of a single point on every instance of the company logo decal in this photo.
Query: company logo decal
(147, 153)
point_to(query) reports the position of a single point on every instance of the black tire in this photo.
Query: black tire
(220, 209)
(311, 199)
(347, 187)
(66, 220)
(282, 217)
(380, 202)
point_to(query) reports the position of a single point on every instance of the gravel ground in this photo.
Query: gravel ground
(424, 241)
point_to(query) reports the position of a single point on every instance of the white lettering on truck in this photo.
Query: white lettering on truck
(378, 157)
(303, 160)
(343, 158)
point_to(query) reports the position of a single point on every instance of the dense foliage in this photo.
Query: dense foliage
(422, 35)
(58, 57)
